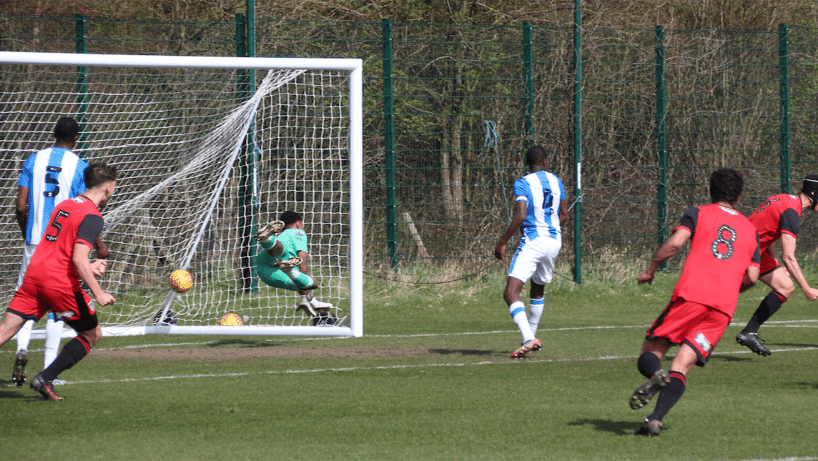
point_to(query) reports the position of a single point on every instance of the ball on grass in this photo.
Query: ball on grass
(231, 319)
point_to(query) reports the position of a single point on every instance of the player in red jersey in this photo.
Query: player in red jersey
(723, 260)
(779, 218)
(52, 280)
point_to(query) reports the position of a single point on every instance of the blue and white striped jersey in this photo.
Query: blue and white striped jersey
(51, 176)
(542, 191)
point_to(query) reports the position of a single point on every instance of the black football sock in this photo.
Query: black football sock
(766, 309)
(648, 364)
(71, 353)
(670, 394)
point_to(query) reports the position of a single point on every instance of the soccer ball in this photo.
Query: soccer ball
(231, 319)
(180, 281)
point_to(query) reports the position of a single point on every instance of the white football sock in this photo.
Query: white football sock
(24, 335)
(534, 313)
(517, 311)
(53, 335)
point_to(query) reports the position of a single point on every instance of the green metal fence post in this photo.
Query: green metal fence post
(528, 81)
(578, 141)
(82, 79)
(389, 144)
(784, 90)
(661, 137)
(247, 215)
(241, 51)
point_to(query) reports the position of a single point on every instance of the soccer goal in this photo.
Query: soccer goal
(208, 149)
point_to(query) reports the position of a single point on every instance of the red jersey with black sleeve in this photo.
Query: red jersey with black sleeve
(723, 245)
(75, 220)
(779, 214)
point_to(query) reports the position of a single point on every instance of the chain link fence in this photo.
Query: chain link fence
(450, 110)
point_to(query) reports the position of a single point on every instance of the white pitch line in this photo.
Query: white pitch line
(809, 458)
(779, 323)
(502, 362)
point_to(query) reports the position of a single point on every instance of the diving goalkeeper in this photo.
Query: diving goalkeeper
(283, 263)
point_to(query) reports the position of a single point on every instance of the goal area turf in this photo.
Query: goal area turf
(430, 379)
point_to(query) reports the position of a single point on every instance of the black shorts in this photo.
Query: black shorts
(87, 320)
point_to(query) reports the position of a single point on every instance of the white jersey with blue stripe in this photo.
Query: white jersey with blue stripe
(51, 176)
(542, 191)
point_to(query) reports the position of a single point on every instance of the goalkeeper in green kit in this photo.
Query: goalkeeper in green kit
(283, 264)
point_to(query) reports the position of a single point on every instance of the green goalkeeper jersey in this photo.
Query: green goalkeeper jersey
(294, 240)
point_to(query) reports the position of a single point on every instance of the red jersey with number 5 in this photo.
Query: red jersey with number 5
(779, 214)
(75, 220)
(723, 245)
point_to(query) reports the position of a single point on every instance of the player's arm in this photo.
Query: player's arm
(563, 211)
(753, 271)
(520, 212)
(21, 209)
(86, 273)
(750, 278)
(671, 246)
(102, 248)
(788, 242)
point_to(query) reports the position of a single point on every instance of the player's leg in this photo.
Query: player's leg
(671, 392)
(11, 322)
(267, 268)
(535, 309)
(294, 280)
(782, 288)
(266, 238)
(649, 365)
(516, 308)
(698, 329)
(18, 374)
(541, 276)
(522, 267)
(312, 304)
(53, 337)
(668, 329)
(84, 321)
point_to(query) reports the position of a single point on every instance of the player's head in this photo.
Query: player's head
(98, 174)
(66, 130)
(810, 188)
(290, 217)
(726, 184)
(100, 179)
(534, 156)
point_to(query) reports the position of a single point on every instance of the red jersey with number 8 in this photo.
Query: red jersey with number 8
(723, 245)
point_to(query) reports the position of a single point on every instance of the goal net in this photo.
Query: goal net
(208, 150)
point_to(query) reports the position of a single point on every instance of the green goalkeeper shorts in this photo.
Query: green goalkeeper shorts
(275, 277)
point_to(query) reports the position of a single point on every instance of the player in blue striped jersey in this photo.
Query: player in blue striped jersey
(540, 212)
(47, 178)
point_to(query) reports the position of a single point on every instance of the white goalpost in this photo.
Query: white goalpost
(208, 150)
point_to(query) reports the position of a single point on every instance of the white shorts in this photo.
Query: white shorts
(27, 254)
(534, 260)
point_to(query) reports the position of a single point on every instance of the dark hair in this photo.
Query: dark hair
(66, 129)
(290, 217)
(99, 173)
(726, 184)
(534, 155)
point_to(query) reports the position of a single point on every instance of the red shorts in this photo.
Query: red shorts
(32, 301)
(699, 326)
(768, 263)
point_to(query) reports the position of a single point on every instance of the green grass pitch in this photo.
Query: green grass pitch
(430, 380)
